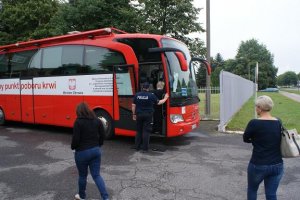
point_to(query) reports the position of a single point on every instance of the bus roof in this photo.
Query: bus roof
(62, 38)
(75, 35)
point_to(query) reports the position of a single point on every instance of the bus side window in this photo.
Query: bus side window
(20, 62)
(34, 68)
(4, 72)
(101, 60)
(51, 60)
(72, 59)
(62, 60)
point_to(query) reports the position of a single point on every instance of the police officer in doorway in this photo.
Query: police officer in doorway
(142, 110)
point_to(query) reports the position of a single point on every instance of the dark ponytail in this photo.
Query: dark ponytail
(84, 111)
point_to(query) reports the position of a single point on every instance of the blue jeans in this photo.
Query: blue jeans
(270, 174)
(89, 158)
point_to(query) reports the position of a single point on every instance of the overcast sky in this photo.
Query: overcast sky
(274, 23)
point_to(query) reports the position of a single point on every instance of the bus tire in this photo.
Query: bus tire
(107, 122)
(2, 117)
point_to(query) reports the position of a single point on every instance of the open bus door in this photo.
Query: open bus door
(124, 80)
(152, 72)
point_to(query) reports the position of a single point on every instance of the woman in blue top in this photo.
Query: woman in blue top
(266, 163)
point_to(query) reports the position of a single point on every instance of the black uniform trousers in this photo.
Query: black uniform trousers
(144, 128)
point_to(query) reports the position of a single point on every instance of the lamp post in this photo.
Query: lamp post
(255, 87)
(207, 94)
(248, 71)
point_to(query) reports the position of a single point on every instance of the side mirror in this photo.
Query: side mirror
(179, 54)
(207, 65)
(181, 58)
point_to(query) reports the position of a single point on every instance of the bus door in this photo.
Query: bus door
(126, 89)
(27, 110)
(152, 72)
(11, 99)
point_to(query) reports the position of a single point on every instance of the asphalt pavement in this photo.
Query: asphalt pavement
(36, 163)
(295, 97)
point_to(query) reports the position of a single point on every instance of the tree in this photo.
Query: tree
(175, 18)
(249, 53)
(196, 47)
(82, 15)
(21, 20)
(217, 66)
(25, 19)
(280, 81)
(289, 78)
(201, 76)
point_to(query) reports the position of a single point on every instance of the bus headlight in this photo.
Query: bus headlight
(175, 118)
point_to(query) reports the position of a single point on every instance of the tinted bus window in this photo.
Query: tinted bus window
(52, 60)
(36, 60)
(3, 66)
(19, 62)
(72, 55)
(62, 60)
(141, 47)
(75, 59)
(72, 59)
(34, 68)
(99, 60)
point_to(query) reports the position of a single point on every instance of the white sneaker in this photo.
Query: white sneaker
(77, 197)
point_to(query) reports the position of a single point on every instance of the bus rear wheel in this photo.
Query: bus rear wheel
(107, 123)
(2, 117)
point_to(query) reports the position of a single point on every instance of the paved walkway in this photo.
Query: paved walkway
(295, 97)
(37, 164)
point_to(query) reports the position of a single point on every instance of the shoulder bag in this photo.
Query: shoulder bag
(290, 143)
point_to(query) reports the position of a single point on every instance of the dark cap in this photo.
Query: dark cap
(146, 85)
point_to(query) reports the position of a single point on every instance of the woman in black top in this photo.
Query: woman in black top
(158, 109)
(266, 163)
(87, 139)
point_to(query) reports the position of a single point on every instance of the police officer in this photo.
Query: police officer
(142, 110)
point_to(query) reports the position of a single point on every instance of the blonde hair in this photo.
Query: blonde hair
(264, 102)
(160, 85)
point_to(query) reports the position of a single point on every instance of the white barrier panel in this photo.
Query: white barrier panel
(235, 91)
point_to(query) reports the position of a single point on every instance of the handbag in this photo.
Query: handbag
(290, 143)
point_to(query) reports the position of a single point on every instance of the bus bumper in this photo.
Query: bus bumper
(182, 128)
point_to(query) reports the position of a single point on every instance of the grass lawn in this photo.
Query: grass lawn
(214, 106)
(284, 108)
(296, 91)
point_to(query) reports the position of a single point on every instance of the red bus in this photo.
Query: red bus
(42, 81)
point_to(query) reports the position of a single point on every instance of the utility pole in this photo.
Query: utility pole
(208, 93)
(255, 88)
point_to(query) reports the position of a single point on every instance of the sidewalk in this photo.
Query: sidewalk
(295, 97)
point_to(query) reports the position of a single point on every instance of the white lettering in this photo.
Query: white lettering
(142, 97)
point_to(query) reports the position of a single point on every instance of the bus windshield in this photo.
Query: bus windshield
(183, 86)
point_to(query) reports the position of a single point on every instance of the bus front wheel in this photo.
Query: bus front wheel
(2, 117)
(107, 123)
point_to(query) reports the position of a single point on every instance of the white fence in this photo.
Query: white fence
(213, 90)
(234, 92)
